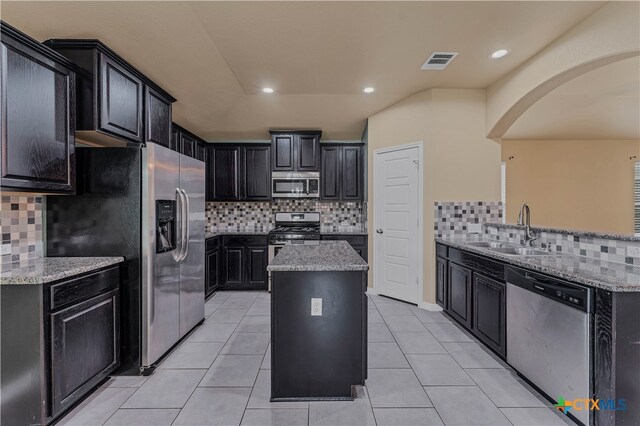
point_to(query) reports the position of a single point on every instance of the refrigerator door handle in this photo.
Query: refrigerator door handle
(178, 250)
(187, 225)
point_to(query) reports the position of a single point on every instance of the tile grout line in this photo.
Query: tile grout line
(406, 359)
(411, 366)
(214, 360)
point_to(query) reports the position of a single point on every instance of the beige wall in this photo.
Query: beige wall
(460, 163)
(572, 184)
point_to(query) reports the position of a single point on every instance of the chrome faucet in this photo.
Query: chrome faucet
(524, 218)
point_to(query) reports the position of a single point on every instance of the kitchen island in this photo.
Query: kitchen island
(318, 322)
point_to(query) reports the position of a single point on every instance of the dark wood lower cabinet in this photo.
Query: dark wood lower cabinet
(237, 263)
(460, 293)
(489, 316)
(442, 266)
(59, 341)
(472, 290)
(212, 271)
(234, 266)
(257, 266)
(84, 348)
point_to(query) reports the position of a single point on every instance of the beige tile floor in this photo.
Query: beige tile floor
(423, 370)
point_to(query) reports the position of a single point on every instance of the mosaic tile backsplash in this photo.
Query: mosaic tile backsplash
(609, 249)
(262, 215)
(21, 228)
(453, 217)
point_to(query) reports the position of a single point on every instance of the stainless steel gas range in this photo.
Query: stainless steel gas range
(293, 228)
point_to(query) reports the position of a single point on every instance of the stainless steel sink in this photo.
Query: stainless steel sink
(488, 244)
(520, 251)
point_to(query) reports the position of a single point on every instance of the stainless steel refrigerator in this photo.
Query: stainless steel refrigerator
(148, 205)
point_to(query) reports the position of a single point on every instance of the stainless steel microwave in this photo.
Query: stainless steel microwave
(295, 185)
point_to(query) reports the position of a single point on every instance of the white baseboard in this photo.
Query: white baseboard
(371, 290)
(430, 306)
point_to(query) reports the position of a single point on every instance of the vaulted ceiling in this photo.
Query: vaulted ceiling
(601, 104)
(215, 57)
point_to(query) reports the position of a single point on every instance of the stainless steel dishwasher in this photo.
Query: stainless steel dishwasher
(549, 335)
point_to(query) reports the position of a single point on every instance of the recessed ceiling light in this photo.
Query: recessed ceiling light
(267, 90)
(499, 53)
(369, 90)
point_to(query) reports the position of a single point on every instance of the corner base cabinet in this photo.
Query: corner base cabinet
(59, 341)
(236, 262)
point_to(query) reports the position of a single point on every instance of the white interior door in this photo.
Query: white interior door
(396, 222)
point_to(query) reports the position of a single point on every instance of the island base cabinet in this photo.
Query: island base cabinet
(85, 348)
(317, 357)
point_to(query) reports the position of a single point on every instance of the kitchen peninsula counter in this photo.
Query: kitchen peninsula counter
(319, 322)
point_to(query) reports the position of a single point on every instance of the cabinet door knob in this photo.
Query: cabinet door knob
(379, 231)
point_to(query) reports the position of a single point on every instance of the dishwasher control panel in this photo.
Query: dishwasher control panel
(565, 292)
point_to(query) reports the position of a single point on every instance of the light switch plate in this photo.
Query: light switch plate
(316, 307)
(633, 251)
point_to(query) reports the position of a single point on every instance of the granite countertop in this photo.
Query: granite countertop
(343, 230)
(248, 230)
(216, 232)
(597, 273)
(48, 269)
(324, 256)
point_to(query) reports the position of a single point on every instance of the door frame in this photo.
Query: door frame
(420, 145)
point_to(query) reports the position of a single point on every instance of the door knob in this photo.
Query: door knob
(379, 231)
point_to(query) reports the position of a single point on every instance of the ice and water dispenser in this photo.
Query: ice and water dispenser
(165, 225)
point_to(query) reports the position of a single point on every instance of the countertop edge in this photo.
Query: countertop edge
(617, 288)
(71, 271)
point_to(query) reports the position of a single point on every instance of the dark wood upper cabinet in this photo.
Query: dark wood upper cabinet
(352, 173)
(158, 127)
(330, 181)
(119, 100)
(200, 151)
(282, 148)
(38, 115)
(257, 173)
(175, 138)
(111, 103)
(295, 150)
(187, 144)
(237, 172)
(223, 173)
(307, 147)
(342, 176)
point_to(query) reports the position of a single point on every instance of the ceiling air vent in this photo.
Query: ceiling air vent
(438, 60)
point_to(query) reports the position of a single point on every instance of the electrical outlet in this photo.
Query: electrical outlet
(474, 228)
(316, 307)
(633, 251)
